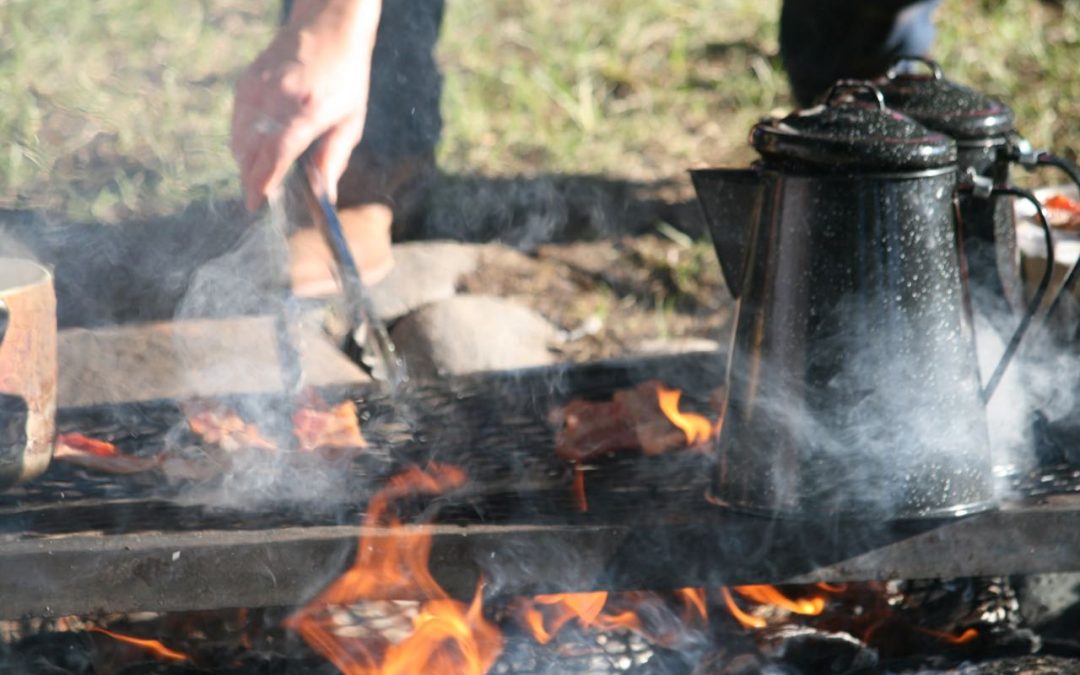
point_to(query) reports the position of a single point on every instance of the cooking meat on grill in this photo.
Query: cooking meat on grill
(318, 427)
(631, 420)
(224, 428)
(91, 453)
(1063, 212)
(331, 432)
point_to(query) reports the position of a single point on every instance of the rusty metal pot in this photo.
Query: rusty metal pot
(27, 370)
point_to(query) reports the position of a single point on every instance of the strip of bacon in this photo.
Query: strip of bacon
(1062, 202)
(224, 428)
(91, 453)
(631, 420)
(1063, 212)
(337, 428)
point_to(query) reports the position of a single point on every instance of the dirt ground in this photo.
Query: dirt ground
(614, 298)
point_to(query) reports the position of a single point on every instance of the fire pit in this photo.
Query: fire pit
(81, 544)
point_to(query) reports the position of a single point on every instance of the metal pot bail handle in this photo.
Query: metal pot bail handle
(853, 87)
(983, 187)
(905, 65)
(1021, 152)
(4, 315)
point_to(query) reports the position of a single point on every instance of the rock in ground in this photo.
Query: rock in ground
(423, 272)
(470, 333)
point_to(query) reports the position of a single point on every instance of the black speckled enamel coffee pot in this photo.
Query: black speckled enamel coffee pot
(987, 145)
(983, 129)
(853, 389)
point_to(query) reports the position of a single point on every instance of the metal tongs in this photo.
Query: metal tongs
(368, 335)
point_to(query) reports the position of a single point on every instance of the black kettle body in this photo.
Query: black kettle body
(853, 387)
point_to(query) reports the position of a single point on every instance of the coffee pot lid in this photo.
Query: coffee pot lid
(941, 104)
(852, 129)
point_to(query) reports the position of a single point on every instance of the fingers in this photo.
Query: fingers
(271, 126)
(335, 147)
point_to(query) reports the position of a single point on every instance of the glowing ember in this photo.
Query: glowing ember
(447, 637)
(153, 646)
(768, 595)
(698, 429)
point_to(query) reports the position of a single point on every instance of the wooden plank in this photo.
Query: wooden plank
(286, 566)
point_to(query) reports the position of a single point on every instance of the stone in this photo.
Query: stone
(471, 333)
(677, 345)
(181, 360)
(423, 273)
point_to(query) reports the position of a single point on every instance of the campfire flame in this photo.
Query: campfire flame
(545, 615)
(694, 601)
(697, 428)
(153, 646)
(447, 637)
(769, 595)
(961, 639)
(746, 620)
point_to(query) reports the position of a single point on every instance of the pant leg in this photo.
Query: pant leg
(822, 41)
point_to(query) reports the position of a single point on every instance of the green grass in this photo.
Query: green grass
(115, 108)
(119, 108)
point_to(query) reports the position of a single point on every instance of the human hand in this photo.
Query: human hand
(311, 83)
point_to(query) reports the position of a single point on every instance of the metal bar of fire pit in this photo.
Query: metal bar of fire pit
(285, 566)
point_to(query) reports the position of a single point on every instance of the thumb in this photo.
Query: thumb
(335, 147)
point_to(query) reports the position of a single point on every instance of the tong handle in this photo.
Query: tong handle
(378, 353)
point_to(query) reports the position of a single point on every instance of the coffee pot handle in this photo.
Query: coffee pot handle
(1021, 152)
(844, 91)
(981, 186)
(906, 64)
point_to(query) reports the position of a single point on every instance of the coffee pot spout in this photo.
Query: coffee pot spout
(730, 200)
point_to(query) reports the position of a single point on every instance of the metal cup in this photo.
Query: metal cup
(28, 370)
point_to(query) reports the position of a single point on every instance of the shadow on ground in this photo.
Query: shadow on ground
(142, 270)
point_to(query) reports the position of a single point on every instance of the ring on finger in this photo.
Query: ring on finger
(267, 125)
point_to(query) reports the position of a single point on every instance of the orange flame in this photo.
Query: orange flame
(768, 595)
(747, 620)
(961, 639)
(153, 646)
(448, 636)
(581, 500)
(697, 428)
(831, 588)
(545, 615)
(694, 602)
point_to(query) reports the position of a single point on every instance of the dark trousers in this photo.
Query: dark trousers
(820, 41)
